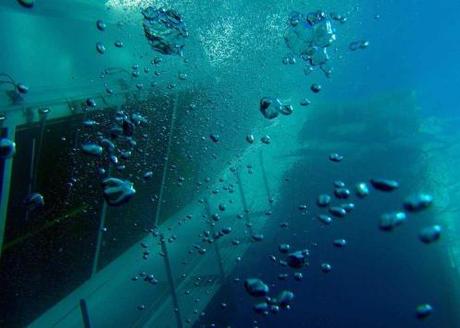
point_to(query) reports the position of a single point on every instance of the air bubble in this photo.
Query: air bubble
(7, 148)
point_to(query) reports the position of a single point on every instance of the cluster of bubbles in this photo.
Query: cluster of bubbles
(100, 47)
(341, 193)
(308, 37)
(414, 203)
(388, 221)
(116, 191)
(272, 107)
(165, 30)
(257, 288)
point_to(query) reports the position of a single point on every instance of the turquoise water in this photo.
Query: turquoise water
(229, 163)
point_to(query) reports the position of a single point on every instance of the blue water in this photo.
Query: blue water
(413, 46)
(193, 154)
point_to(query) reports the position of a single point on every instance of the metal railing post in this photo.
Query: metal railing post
(243, 201)
(5, 178)
(164, 248)
(265, 179)
(85, 314)
(215, 242)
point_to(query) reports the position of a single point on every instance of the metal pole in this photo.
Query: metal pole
(216, 246)
(171, 282)
(32, 164)
(31, 173)
(99, 238)
(35, 159)
(100, 231)
(243, 201)
(5, 178)
(264, 176)
(85, 314)
(38, 150)
(166, 163)
(158, 213)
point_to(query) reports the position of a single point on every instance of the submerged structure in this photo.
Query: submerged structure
(197, 164)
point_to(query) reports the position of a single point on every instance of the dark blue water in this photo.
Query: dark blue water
(378, 278)
(413, 47)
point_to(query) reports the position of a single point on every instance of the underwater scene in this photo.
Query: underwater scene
(229, 163)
